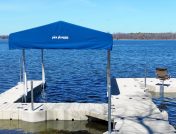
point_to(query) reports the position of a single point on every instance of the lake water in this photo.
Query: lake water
(80, 75)
(51, 127)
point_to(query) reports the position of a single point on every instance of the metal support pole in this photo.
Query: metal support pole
(145, 80)
(21, 69)
(24, 76)
(32, 96)
(43, 77)
(43, 69)
(145, 70)
(162, 91)
(109, 91)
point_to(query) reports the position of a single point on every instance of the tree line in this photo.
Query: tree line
(145, 36)
(3, 36)
(141, 36)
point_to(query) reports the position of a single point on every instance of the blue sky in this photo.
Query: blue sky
(105, 15)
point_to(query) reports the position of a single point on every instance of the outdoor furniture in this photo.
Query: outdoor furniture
(162, 74)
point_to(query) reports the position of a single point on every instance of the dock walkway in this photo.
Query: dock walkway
(16, 93)
(134, 112)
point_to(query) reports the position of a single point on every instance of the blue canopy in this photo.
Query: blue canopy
(60, 35)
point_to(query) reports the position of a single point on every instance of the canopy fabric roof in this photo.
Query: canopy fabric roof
(60, 35)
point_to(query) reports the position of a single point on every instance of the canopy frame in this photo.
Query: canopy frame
(24, 76)
(109, 89)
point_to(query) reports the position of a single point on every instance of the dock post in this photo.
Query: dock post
(43, 69)
(162, 91)
(43, 77)
(32, 96)
(109, 90)
(24, 76)
(145, 80)
(145, 69)
(21, 69)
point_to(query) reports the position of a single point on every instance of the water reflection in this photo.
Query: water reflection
(51, 127)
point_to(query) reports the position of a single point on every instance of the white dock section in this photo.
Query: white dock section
(154, 84)
(17, 92)
(134, 112)
(49, 111)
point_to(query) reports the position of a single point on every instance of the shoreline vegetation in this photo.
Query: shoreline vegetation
(134, 36)
(4, 36)
(144, 36)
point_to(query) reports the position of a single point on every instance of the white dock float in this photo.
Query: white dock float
(134, 112)
(49, 111)
(153, 85)
(16, 93)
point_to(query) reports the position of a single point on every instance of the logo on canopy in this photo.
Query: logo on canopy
(54, 37)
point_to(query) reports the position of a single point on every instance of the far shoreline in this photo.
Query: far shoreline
(6, 39)
(148, 39)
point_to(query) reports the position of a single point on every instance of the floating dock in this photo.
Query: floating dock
(132, 111)
(50, 111)
(16, 94)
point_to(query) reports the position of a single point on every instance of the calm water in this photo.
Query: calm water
(74, 75)
(51, 127)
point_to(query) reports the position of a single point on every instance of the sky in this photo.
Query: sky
(105, 15)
